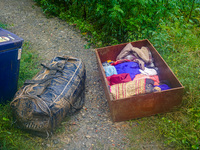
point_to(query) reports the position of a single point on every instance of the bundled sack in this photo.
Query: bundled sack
(42, 103)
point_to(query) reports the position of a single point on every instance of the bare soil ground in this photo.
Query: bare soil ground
(92, 127)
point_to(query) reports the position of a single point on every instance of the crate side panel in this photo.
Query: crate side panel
(165, 73)
(110, 52)
(146, 105)
(104, 83)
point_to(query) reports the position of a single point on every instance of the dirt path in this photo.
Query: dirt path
(92, 127)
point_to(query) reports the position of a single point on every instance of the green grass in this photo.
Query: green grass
(2, 25)
(10, 136)
(179, 46)
(29, 64)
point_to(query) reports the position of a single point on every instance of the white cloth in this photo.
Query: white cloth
(148, 71)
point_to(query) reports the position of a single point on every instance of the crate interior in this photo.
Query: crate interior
(165, 73)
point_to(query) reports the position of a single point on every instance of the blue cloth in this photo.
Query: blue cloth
(164, 87)
(128, 67)
(109, 70)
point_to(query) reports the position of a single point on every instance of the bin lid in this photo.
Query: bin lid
(9, 41)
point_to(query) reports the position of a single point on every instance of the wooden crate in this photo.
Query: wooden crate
(146, 104)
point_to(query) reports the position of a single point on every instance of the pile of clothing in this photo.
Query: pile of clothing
(132, 73)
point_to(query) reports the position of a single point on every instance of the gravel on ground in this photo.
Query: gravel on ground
(91, 127)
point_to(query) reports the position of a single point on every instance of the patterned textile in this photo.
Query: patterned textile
(124, 90)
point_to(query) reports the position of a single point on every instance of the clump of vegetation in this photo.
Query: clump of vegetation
(116, 21)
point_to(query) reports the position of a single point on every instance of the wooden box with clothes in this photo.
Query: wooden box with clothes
(137, 81)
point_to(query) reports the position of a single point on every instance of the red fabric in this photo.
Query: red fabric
(155, 78)
(120, 61)
(119, 78)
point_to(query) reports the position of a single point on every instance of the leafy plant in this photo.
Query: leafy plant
(117, 21)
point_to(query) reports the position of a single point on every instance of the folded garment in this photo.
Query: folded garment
(124, 90)
(110, 70)
(128, 67)
(140, 63)
(148, 71)
(143, 53)
(119, 78)
(155, 78)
